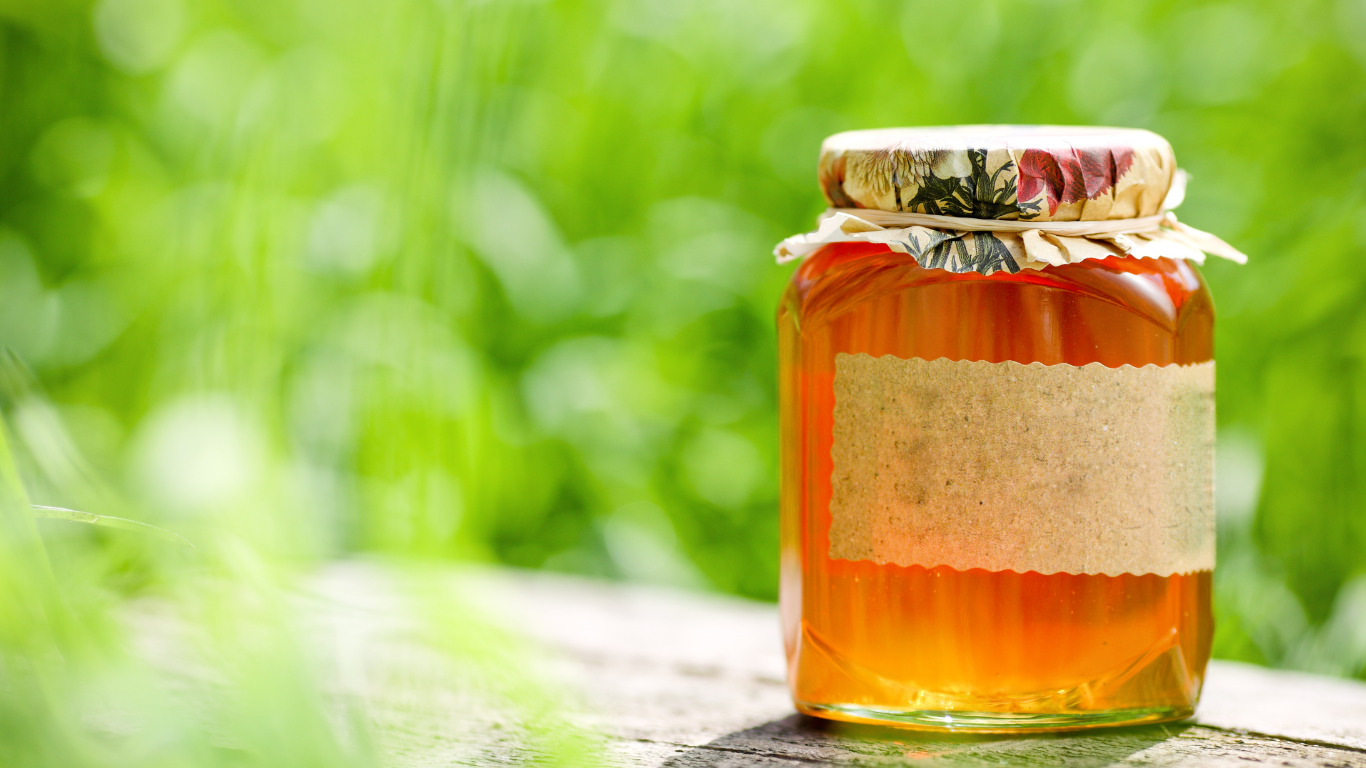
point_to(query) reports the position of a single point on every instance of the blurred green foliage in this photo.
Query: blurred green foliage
(491, 280)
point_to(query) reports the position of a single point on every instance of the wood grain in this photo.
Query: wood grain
(645, 676)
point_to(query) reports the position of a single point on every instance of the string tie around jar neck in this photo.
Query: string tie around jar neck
(1044, 243)
(901, 219)
(1034, 231)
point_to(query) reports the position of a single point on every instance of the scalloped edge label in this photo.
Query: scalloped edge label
(1007, 466)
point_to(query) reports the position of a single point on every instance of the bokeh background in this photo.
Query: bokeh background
(491, 281)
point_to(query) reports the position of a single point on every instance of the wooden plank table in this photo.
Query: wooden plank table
(660, 677)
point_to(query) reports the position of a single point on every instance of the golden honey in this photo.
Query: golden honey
(936, 647)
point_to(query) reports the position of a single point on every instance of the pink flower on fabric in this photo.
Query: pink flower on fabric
(1066, 174)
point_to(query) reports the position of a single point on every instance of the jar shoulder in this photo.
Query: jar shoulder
(843, 277)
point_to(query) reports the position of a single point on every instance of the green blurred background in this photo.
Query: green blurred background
(492, 280)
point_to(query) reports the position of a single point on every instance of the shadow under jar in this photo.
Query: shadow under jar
(997, 483)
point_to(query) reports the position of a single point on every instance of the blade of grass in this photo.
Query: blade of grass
(76, 516)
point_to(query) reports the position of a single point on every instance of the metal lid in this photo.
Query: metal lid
(1029, 172)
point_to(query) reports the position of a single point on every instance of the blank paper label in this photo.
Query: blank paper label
(1004, 466)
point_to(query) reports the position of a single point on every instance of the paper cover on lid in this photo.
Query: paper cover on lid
(1034, 173)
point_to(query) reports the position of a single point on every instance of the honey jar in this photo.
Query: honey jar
(997, 421)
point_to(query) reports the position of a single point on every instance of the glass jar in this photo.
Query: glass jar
(980, 467)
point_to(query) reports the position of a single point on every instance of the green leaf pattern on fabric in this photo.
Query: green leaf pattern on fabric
(980, 195)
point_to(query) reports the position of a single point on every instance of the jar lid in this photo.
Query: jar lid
(1029, 172)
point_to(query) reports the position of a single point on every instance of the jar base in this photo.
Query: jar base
(992, 722)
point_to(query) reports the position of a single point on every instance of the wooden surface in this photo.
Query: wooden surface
(665, 678)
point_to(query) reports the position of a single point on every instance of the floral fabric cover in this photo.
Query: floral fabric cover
(1030, 173)
(1008, 173)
